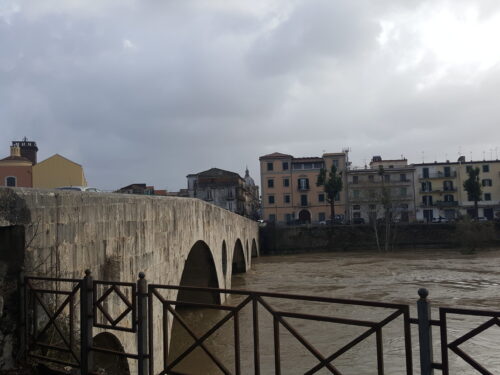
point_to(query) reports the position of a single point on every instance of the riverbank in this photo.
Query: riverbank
(302, 239)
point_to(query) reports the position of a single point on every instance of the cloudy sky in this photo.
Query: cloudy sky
(151, 90)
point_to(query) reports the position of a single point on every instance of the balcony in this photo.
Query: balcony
(446, 204)
(438, 190)
(435, 175)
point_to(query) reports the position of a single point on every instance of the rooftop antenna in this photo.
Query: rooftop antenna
(491, 154)
(484, 155)
(471, 156)
(423, 157)
(496, 152)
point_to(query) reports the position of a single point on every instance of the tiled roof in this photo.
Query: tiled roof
(217, 172)
(275, 155)
(15, 158)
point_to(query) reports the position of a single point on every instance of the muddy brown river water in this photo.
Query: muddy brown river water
(453, 280)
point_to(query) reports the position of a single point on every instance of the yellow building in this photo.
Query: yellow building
(58, 171)
(441, 193)
(289, 191)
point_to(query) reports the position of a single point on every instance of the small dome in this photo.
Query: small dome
(249, 180)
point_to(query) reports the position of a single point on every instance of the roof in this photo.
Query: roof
(16, 158)
(456, 162)
(60, 156)
(276, 155)
(217, 172)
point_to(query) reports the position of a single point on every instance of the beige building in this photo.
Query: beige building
(440, 191)
(289, 191)
(385, 182)
(58, 171)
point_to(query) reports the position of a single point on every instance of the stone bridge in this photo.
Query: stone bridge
(176, 241)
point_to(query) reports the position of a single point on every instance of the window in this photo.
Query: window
(286, 182)
(321, 216)
(468, 168)
(486, 168)
(402, 177)
(356, 215)
(387, 178)
(337, 197)
(427, 200)
(272, 218)
(425, 172)
(336, 163)
(449, 198)
(355, 179)
(403, 192)
(447, 185)
(447, 171)
(303, 184)
(230, 206)
(270, 166)
(371, 178)
(270, 183)
(321, 197)
(372, 207)
(426, 186)
(210, 195)
(404, 206)
(487, 182)
(286, 198)
(487, 196)
(303, 200)
(356, 207)
(10, 181)
(270, 199)
(288, 218)
(355, 193)
(285, 165)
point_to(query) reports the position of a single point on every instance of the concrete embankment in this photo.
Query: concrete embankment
(299, 239)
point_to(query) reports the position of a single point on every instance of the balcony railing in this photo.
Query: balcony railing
(446, 204)
(438, 175)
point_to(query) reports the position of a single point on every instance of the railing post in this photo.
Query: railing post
(142, 324)
(86, 323)
(425, 332)
(22, 315)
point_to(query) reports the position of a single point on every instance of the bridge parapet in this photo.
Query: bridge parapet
(176, 241)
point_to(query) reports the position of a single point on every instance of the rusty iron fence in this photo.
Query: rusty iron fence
(59, 316)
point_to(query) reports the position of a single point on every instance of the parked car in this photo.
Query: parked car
(79, 188)
(358, 220)
(440, 219)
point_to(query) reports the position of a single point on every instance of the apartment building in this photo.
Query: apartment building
(289, 191)
(384, 184)
(440, 191)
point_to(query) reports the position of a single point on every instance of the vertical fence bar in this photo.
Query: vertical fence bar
(22, 315)
(150, 331)
(142, 324)
(165, 335)
(425, 332)
(408, 347)
(256, 345)
(380, 352)
(444, 342)
(277, 351)
(237, 352)
(86, 323)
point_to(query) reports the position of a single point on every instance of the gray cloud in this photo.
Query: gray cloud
(151, 91)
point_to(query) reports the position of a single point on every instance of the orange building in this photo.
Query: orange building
(289, 191)
(16, 170)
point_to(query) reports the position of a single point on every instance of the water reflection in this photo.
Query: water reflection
(454, 280)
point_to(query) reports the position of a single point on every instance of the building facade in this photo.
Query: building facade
(289, 190)
(16, 170)
(227, 190)
(440, 191)
(57, 171)
(385, 185)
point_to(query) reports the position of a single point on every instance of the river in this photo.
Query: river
(453, 280)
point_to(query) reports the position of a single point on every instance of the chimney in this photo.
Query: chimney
(28, 149)
(15, 151)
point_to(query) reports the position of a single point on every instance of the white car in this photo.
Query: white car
(79, 188)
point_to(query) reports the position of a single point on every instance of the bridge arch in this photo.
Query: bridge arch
(111, 364)
(239, 263)
(255, 250)
(199, 270)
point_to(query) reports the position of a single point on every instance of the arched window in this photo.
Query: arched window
(10, 181)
